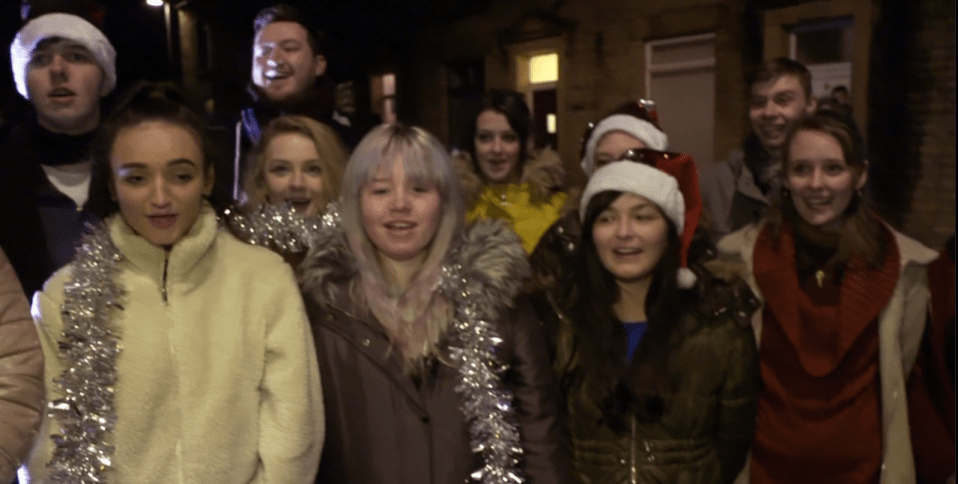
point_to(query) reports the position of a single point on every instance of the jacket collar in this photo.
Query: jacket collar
(488, 255)
(186, 255)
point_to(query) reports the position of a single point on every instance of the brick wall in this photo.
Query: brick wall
(912, 125)
(603, 60)
(911, 83)
(932, 101)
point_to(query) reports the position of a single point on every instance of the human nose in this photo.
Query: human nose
(400, 200)
(623, 228)
(296, 181)
(818, 179)
(160, 198)
(497, 145)
(769, 110)
(275, 58)
(58, 67)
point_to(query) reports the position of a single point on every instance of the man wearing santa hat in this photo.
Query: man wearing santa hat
(63, 65)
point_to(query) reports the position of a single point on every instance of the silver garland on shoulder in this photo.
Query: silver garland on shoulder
(486, 403)
(90, 346)
(279, 227)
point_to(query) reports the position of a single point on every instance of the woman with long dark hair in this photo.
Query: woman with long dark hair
(845, 299)
(504, 178)
(173, 351)
(655, 358)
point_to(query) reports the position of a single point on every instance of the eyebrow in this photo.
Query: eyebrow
(176, 162)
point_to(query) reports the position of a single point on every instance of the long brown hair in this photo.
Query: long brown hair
(861, 233)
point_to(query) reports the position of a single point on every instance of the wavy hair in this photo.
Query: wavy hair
(332, 157)
(415, 317)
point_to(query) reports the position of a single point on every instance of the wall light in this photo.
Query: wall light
(154, 3)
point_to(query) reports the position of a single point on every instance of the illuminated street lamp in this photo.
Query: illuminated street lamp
(168, 18)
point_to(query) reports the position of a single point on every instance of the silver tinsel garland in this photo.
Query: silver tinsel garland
(486, 403)
(90, 346)
(279, 227)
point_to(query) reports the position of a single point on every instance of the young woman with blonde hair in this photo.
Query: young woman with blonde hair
(433, 368)
(297, 161)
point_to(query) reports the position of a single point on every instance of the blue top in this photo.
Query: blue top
(634, 333)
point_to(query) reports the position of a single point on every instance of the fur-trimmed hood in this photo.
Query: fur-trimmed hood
(544, 171)
(488, 256)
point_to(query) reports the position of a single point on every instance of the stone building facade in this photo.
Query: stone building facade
(604, 47)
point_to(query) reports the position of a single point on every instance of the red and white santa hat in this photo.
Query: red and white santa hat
(66, 26)
(671, 182)
(642, 122)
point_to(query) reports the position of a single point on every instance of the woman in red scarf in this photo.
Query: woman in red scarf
(845, 304)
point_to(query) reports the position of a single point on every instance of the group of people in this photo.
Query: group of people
(368, 308)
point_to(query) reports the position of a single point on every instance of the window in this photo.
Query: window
(383, 96)
(826, 48)
(538, 78)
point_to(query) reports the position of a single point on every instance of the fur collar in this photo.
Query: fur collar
(544, 171)
(489, 256)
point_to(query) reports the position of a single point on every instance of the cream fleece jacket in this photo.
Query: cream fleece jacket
(216, 384)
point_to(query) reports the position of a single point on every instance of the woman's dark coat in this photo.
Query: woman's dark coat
(384, 426)
(707, 427)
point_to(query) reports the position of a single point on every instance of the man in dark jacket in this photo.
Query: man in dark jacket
(288, 77)
(737, 191)
(63, 65)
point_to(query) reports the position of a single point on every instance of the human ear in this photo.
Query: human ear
(320, 62)
(862, 177)
(208, 182)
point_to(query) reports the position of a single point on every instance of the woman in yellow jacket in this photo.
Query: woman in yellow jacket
(506, 181)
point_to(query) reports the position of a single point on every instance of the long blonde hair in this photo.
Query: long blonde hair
(332, 157)
(416, 317)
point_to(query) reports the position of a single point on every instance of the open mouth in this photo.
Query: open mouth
(278, 75)
(818, 202)
(163, 221)
(627, 252)
(400, 227)
(299, 204)
(61, 93)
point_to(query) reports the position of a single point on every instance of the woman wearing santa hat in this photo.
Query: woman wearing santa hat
(656, 362)
(633, 125)
(845, 299)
